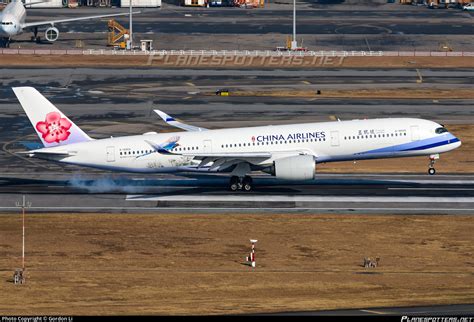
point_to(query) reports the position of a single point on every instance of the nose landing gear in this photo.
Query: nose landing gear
(431, 169)
(4, 42)
(240, 183)
(35, 37)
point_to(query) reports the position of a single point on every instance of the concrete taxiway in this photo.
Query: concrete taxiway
(319, 26)
(435, 310)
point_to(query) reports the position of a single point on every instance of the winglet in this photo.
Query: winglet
(173, 122)
(164, 116)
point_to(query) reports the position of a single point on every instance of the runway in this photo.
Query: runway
(114, 102)
(344, 193)
(435, 310)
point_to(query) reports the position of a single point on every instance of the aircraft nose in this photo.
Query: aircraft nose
(456, 142)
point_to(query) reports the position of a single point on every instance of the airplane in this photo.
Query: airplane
(289, 152)
(13, 17)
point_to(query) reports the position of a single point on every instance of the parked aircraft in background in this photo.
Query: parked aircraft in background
(284, 151)
(12, 23)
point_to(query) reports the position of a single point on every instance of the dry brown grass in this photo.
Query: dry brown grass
(177, 264)
(276, 62)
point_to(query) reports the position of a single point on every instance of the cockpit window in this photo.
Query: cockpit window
(7, 23)
(441, 130)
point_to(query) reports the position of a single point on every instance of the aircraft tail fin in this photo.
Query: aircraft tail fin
(52, 126)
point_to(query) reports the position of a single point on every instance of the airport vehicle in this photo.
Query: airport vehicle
(215, 3)
(285, 151)
(13, 17)
(468, 7)
(222, 92)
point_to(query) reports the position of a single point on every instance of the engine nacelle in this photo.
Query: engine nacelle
(51, 34)
(300, 167)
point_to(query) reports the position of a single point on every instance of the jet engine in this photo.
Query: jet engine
(299, 167)
(51, 34)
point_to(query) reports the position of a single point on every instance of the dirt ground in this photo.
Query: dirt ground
(13, 60)
(193, 264)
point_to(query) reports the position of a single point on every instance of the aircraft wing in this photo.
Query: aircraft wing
(53, 22)
(219, 161)
(223, 161)
(173, 122)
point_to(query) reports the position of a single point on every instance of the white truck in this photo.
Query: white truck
(468, 7)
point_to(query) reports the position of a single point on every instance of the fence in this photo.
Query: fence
(249, 53)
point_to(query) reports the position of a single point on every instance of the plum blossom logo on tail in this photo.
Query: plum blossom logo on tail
(54, 128)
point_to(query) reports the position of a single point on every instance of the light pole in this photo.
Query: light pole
(294, 44)
(131, 26)
(23, 205)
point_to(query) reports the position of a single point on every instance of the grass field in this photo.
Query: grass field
(177, 264)
(182, 61)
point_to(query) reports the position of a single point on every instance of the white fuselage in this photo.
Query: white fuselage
(11, 19)
(327, 142)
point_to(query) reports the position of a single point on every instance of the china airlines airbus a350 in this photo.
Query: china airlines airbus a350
(284, 151)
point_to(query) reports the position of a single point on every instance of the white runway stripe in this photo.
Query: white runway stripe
(273, 198)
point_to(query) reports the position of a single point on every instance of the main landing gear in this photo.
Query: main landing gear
(431, 169)
(240, 183)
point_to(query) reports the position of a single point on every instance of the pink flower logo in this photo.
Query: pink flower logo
(55, 128)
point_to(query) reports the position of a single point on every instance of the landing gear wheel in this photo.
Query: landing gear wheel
(431, 169)
(247, 183)
(4, 43)
(234, 183)
(35, 37)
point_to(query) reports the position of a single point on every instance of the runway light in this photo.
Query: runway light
(251, 258)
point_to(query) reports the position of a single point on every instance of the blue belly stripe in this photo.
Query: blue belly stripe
(432, 145)
(416, 145)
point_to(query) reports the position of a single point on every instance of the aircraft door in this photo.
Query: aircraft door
(207, 146)
(110, 154)
(415, 132)
(334, 138)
